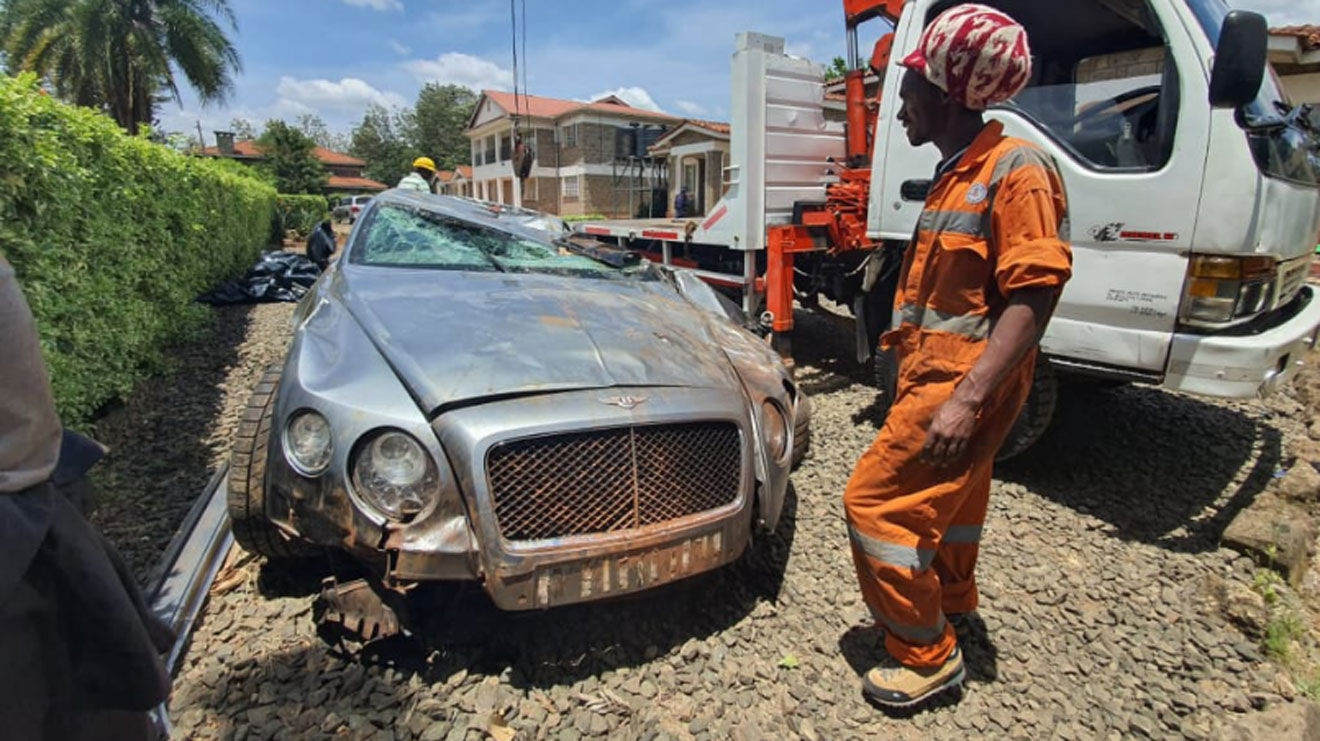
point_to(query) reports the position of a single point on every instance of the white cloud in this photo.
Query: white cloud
(400, 48)
(636, 97)
(690, 108)
(349, 94)
(1283, 12)
(454, 68)
(376, 4)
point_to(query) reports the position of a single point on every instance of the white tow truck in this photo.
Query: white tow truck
(1194, 191)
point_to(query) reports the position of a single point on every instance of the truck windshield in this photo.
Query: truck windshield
(1282, 138)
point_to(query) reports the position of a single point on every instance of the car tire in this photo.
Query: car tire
(247, 478)
(1037, 412)
(801, 429)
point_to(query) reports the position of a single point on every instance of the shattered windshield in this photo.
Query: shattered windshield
(408, 237)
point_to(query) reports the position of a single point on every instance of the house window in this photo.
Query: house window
(570, 136)
(506, 149)
(572, 187)
(490, 149)
(476, 156)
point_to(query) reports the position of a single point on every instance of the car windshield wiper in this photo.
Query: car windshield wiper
(600, 252)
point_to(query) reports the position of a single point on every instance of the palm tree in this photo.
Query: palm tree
(122, 55)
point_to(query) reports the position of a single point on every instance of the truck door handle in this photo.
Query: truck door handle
(914, 190)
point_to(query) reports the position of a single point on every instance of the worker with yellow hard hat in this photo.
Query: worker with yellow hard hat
(422, 178)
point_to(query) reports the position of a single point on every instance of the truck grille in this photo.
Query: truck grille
(610, 480)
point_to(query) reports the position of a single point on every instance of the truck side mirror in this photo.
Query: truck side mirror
(1240, 59)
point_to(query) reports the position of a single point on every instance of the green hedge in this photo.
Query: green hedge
(299, 213)
(112, 238)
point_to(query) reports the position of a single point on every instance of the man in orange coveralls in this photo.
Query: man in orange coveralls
(978, 284)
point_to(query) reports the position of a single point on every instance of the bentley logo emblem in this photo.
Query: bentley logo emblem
(624, 402)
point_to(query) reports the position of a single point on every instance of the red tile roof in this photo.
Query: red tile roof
(1309, 35)
(342, 183)
(716, 126)
(331, 157)
(465, 171)
(249, 148)
(444, 176)
(535, 105)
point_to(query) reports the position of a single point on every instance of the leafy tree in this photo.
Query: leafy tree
(837, 70)
(243, 129)
(382, 139)
(441, 116)
(314, 127)
(290, 158)
(121, 56)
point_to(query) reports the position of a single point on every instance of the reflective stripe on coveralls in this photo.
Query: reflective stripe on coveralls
(993, 225)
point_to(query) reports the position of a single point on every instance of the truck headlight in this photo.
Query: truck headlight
(395, 474)
(1220, 289)
(308, 442)
(776, 429)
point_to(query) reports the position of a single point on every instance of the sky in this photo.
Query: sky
(333, 58)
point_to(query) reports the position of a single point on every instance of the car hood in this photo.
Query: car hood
(454, 337)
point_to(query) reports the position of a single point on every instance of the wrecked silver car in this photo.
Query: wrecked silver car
(471, 395)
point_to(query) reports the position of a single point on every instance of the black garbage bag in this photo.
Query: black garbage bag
(277, 276)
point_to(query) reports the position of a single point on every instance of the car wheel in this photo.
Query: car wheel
(247, 478)
(801, 429)
(1037, 412)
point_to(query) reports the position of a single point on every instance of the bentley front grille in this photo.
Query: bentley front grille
(612, 480)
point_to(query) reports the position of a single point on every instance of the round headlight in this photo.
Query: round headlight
(308, 443)
(394, 474)
(776, 429)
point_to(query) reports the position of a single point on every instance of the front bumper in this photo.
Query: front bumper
(1246, 365)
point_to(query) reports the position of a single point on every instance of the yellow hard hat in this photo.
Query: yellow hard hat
(425, 163)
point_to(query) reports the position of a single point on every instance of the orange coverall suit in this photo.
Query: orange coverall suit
(994, 223)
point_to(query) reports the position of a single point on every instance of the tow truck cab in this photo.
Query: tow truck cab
(1194, 217)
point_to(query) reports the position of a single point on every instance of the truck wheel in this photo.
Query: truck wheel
(1036, 414)
(247, 477)
(801, 429)
(884, 365)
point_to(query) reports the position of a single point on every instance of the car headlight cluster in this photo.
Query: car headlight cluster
(776, 429)
(395, 474)
(309, 443)
(390, 469)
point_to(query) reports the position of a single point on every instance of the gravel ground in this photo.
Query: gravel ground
(1099, 615)
(172, 434)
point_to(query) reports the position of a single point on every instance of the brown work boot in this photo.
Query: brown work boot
(896, 686)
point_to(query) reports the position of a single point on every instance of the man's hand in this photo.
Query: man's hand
(950, 432)
(1017, 331)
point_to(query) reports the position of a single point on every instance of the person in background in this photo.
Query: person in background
(978, 284)
(682, 203)
(321, 244)
(80, 652)
(422, 178)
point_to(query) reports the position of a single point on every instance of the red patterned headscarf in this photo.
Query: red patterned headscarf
(976, 54)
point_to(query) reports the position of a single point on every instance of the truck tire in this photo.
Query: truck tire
(884, 367)
(801, 429)
(1037, 412)
(247, 477)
